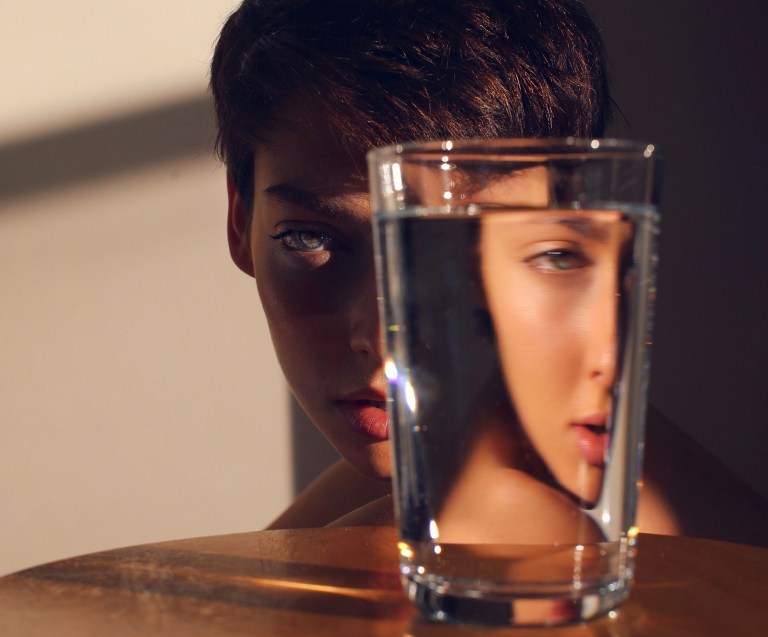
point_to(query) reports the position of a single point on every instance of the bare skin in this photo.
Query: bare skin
(694, 497)
(494, 503)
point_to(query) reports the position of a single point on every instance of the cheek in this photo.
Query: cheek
(303, 296)
(292, 294)
(540, 333)
(306, 310)
(293, 311)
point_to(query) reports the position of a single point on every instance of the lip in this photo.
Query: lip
(366, 413)
(591, 434)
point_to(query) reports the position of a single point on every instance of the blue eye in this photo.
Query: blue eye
(303, 240)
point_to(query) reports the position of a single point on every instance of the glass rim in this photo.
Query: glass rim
(518, 147)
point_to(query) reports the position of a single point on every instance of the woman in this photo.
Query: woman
(302, 89)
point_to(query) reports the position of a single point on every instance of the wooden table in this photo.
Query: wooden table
(344, 582)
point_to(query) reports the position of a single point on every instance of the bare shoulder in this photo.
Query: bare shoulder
(335, 493)
(501, 505)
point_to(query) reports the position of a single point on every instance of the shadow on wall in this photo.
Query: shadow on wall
(134, 354)
(311, 453)
(184, 128)
(99, 149)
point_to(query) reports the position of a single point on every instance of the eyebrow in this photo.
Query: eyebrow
(325, 206)
(585, 227)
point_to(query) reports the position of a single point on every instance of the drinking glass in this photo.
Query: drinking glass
(516, 280)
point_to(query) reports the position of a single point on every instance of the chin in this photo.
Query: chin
(373, 462)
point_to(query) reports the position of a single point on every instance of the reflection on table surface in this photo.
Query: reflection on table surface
(345, 582)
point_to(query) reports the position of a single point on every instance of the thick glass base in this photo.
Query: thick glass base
(516, 585)
(452, 604)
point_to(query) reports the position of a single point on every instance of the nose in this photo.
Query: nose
(364, 335)
(603, 345)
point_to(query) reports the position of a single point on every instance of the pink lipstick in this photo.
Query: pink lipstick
(366, 416)
(592, 438)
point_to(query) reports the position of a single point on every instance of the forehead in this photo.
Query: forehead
(304, 153)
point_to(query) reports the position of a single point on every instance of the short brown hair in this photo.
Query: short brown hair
(385, 71)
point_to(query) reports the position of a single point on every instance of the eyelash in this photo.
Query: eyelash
(547, 261)
(292, 240)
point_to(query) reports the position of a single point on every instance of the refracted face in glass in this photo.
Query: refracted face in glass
(552, 286)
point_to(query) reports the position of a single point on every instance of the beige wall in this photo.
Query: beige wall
(139, 396)
(68, 62)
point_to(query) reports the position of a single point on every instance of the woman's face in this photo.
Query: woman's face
(551, 285)
(310, 250)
